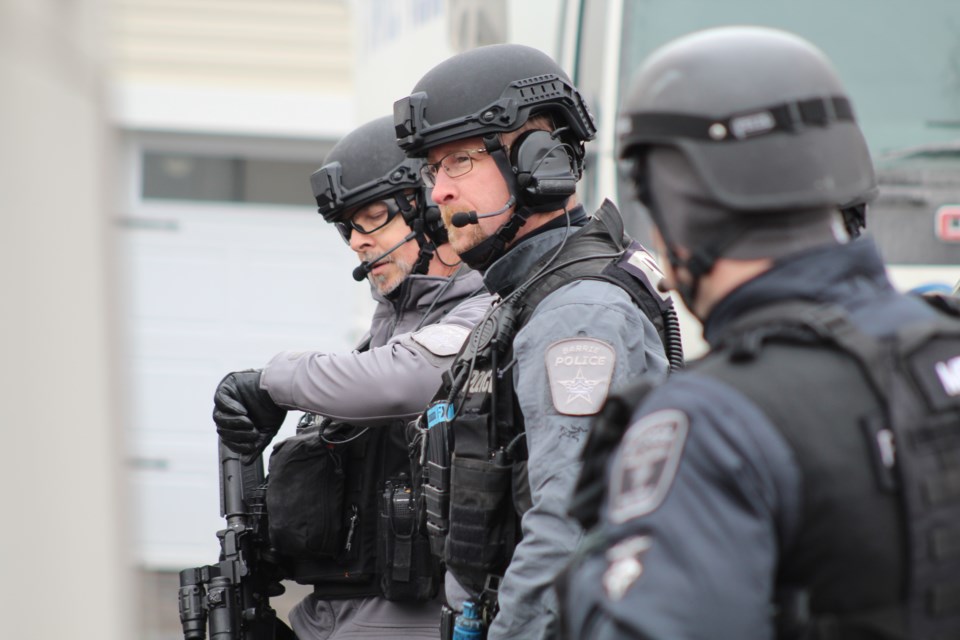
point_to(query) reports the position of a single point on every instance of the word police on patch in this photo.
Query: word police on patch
(647, 464)
(579, 370)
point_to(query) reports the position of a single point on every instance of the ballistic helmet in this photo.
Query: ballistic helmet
(759, 114)
(497, 89)
(363, 167)
(492, 89)
(366, 166)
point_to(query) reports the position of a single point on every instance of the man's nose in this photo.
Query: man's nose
(360, 241)
(444, 189)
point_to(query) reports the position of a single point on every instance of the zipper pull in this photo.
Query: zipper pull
(353, 526)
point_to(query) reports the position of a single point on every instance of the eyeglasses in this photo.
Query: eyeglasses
(454, 164)
(371, 217)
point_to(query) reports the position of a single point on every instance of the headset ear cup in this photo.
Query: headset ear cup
(515, 155)
(432, 220)
(545, 168)
(433, 224)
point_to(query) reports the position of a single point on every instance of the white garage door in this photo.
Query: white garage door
(213, 288)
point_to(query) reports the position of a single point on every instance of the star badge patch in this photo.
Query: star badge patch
(579, 370)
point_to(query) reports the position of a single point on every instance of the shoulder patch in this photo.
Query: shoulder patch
(441, 339)
(640, 263)
(625, 565)
(647, 464)
(579, 371)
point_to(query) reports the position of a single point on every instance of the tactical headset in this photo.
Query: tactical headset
(510, 85)
(544, 169)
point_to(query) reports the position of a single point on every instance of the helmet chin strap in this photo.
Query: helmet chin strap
(414, 219)
(701, 260)
(495, 246)
(687, 290)
(427, 250)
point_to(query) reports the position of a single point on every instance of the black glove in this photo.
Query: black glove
(247, 418)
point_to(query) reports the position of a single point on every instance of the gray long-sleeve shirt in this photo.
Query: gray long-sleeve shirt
(413, 338)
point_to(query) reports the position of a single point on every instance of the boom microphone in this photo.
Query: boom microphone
(463, 218)
(367, 266)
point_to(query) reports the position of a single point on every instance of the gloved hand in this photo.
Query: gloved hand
(247, 418)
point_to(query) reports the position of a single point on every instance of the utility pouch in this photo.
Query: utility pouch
(407, 569)
(447, 618)
(482, 520)
(436, 488)
(348, 566)
(305, 497)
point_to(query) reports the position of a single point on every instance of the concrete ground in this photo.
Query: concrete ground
(159, 604)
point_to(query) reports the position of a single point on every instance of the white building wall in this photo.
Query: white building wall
(63, 543)
(261, 67)
(276, 45)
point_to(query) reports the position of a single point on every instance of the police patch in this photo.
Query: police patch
(579, 370)
(626, 565)
(647, 464)
(641, 264)
(441, 339)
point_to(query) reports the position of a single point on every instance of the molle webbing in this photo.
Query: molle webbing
(903, 390)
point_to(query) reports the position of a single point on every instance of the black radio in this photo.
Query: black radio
(407, 570)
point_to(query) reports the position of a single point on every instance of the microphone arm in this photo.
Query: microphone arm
(367, 266)
(463, 218)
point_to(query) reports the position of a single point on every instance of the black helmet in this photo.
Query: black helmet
(759, 114)
(490, 89)
(366, 166)
(363, 167)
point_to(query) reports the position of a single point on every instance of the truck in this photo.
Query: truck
(900, 63)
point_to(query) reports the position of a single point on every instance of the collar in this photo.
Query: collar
(841, 274)
(505, 274)
(418, 291)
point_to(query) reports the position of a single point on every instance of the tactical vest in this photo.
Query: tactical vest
(875, 428)
(474, 499)
(342, 512)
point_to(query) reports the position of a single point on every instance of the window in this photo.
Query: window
(184, 176)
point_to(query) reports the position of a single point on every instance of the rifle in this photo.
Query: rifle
(234, 594)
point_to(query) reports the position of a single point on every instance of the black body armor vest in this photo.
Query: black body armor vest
(475, 499)
(877, 554)
(342, 512)
(875, 427)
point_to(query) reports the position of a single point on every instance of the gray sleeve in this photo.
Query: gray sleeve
(691, 548)
(584, 309)
(469, 312)
(395, 380)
